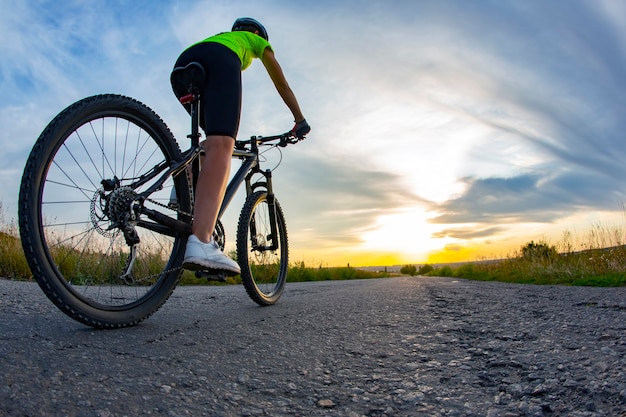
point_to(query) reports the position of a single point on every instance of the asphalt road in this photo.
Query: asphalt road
(389, 347)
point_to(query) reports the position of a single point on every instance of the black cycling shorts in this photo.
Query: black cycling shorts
(221, 98)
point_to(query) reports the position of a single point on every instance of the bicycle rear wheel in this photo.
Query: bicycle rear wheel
(71, 221)
(263, 267)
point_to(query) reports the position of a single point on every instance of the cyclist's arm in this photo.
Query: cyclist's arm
(278, 78)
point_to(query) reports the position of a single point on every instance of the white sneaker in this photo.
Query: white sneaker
(201, 256)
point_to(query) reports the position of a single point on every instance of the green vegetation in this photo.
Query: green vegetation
(541, 263)
(299, 272)
(12, 260)
(13, 264)
(408, 270)
(600, 261)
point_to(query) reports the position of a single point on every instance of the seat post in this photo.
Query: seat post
(188, 82)
(195, 121)
(195, 134)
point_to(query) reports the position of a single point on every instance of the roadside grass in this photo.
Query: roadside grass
(299, 272)
(595, 268)
(13, 263)
(598, 260)
(12, 260)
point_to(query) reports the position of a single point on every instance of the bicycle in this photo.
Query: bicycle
(102, 230)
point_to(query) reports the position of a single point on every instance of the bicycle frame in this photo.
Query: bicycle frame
(249, 167)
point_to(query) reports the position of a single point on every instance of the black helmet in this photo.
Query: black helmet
(245, 22)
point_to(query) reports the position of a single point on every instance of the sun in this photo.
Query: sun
(405, 233)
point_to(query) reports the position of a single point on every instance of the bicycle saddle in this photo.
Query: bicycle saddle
(189, 79)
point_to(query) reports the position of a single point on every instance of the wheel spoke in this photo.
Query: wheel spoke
(74, 226)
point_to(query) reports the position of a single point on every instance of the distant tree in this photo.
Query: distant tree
(425, 269)
(409, 270)
(540, 250)
(445, 271)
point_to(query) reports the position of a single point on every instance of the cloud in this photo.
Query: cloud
(339, 200)
(54, 54)
(468, 233)
(545, 95)
(528, 198)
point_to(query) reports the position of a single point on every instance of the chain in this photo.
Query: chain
(191, 193)
(167, 271)
(168, 207)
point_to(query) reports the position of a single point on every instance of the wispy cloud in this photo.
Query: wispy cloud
(341, 200)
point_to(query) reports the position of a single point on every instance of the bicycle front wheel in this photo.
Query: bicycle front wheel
(262, 255)
(76, 212)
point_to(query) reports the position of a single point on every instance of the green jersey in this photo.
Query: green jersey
(246, 45)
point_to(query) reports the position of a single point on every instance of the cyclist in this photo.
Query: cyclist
(224, 56)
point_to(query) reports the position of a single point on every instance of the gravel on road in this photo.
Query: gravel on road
(408, 346)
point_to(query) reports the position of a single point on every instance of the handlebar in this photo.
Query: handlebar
(283, 139)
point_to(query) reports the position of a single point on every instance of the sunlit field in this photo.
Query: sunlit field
(81, 267)
(599, 259)
(596, 259)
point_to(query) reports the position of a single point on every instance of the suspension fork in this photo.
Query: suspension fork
(271, 204)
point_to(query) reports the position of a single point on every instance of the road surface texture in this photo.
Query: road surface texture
(410, 346)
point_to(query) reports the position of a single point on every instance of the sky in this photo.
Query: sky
(442, 130)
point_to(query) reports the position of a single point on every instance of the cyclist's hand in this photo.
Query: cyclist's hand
(301, 129)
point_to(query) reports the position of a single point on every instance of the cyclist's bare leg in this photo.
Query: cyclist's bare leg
(211, 185)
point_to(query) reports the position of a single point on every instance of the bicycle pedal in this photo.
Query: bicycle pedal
(212, 275)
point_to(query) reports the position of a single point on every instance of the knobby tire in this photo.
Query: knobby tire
(263, 271)
(74, 250)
